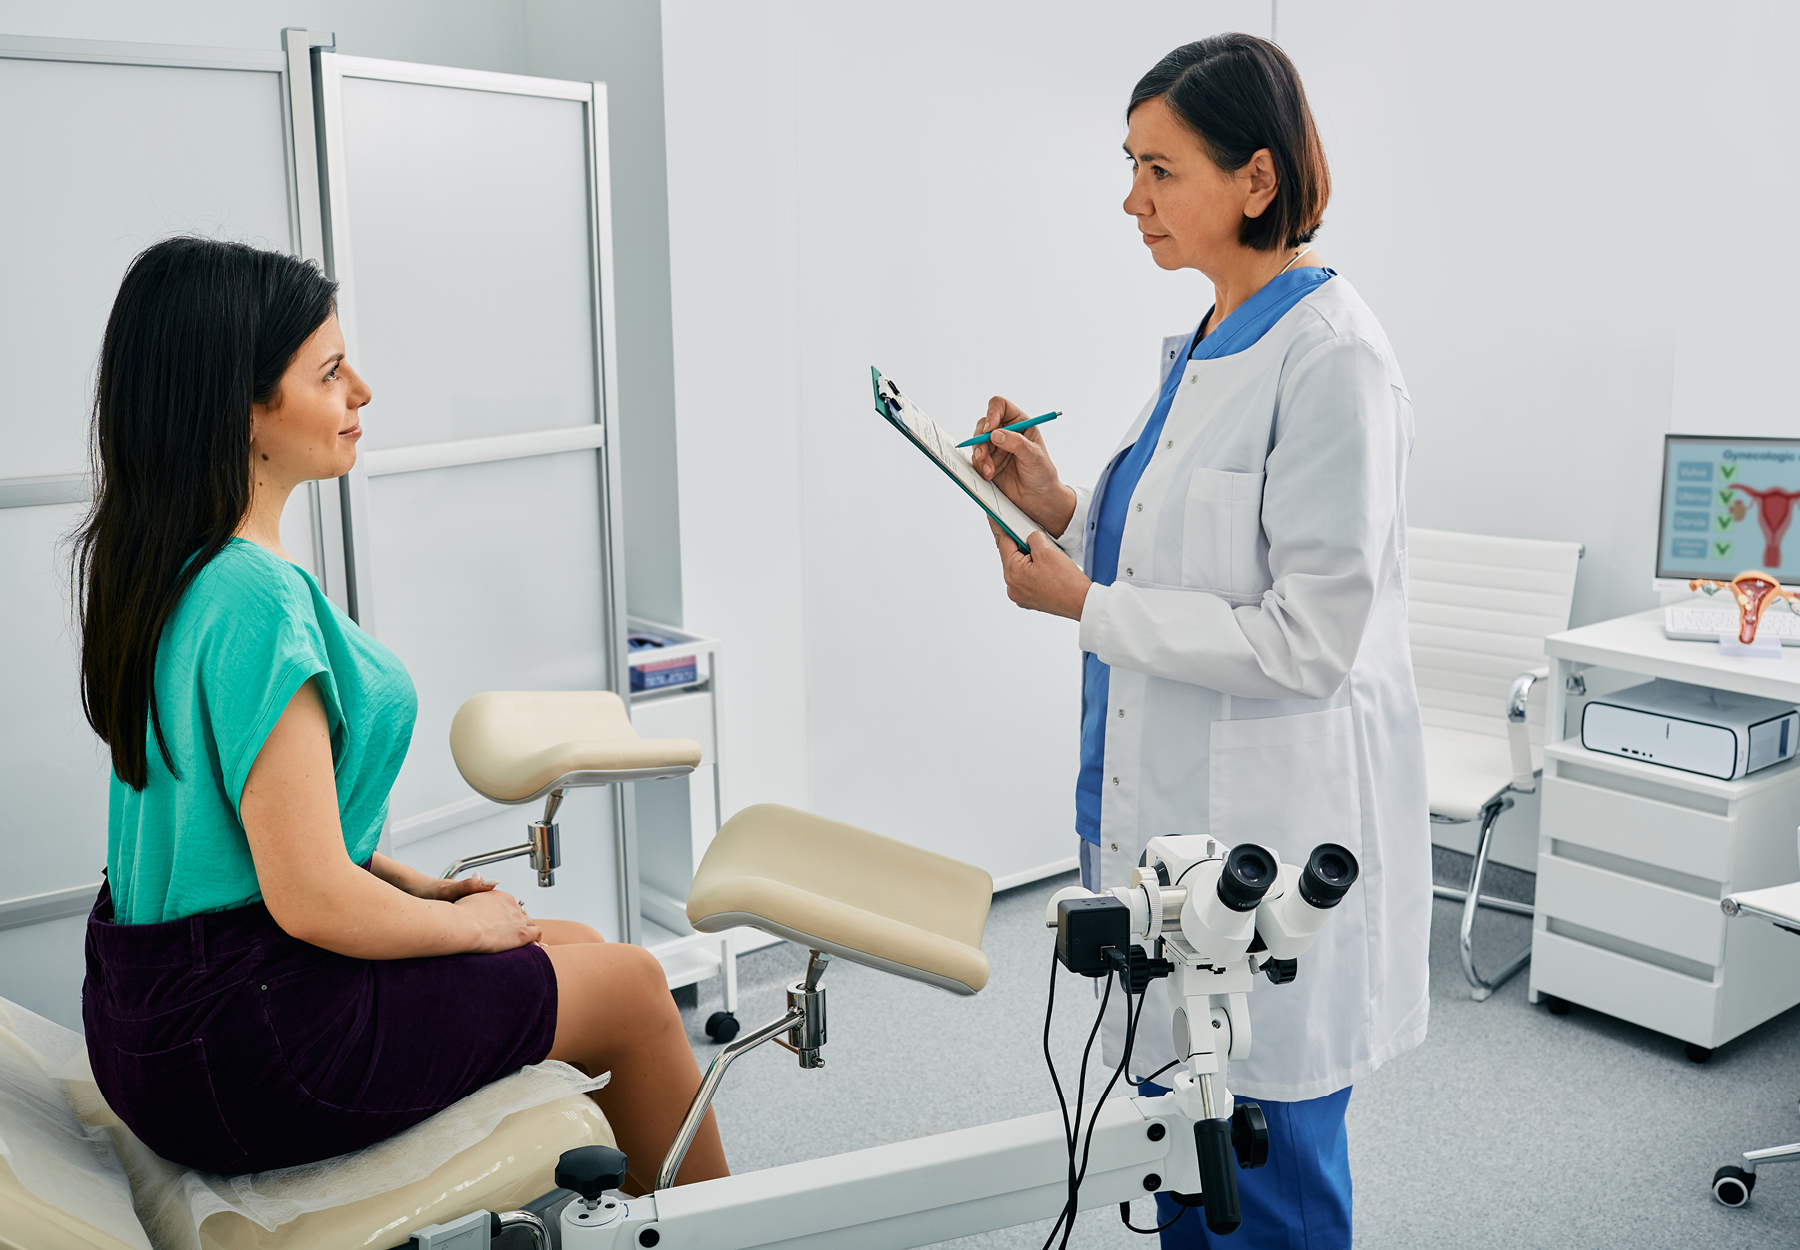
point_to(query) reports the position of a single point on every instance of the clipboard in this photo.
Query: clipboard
(941, 449)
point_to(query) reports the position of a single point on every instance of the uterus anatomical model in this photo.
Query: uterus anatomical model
(1774, 509)
(1754, 590)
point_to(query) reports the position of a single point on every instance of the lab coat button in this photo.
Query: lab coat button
(1140, 507)
(1115, 781)
(1121, 711)
(1115, 846)
(1130, 573)
(1170, 443)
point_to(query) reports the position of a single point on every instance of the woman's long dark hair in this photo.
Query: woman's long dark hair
(201, 330)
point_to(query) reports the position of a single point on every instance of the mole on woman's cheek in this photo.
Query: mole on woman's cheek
(265, 455)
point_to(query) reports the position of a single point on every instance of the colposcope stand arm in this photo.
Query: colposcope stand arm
(915, 1193)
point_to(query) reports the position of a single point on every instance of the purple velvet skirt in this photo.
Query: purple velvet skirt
(229, 1046)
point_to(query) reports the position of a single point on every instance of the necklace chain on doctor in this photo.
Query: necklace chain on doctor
(1297, 255)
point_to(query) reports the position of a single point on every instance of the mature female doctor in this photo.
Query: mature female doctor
(1239, 573)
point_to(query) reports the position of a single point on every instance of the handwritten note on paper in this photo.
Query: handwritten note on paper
(935, 442)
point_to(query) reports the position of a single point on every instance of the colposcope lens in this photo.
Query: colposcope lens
(1329, 873)
(1248, 874)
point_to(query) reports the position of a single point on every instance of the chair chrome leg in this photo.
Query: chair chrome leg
(1480, 990)
(1771, 1154)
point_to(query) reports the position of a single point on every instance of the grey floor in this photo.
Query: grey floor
(1509, 1128)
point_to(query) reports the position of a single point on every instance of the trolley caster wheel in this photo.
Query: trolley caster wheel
(721, 1026)
(1557, 1006)
(1698, 1054)
(1732, 1185)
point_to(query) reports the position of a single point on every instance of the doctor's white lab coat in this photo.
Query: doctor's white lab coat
(1262, 684)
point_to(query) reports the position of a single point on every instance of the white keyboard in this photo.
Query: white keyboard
(1706, 621)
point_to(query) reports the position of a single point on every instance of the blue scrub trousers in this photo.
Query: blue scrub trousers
(1299, 1200)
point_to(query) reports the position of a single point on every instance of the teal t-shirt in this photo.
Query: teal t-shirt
(251, 629)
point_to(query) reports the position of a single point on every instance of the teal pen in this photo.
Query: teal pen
(1022, 425)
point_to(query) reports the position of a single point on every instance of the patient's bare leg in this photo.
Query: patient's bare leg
(614, 1014)
(566, 932)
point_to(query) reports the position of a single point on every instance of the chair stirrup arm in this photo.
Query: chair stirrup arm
(458, 867)
(709, 1085)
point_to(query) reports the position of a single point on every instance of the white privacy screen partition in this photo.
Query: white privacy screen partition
(467, 221)
(106, 148)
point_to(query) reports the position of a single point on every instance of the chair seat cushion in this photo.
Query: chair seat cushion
(848, 892)
(1464, 771)
(511, 1166)
(85, 1182)
(516, 745)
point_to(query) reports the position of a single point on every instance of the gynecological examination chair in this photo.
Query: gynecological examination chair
(531, 1154)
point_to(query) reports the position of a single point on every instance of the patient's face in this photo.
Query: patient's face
(310, 431)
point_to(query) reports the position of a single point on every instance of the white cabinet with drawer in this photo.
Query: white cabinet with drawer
(1633, 858)
(1632, 862)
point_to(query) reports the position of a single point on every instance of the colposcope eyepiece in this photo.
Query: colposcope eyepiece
(1329, 873)
(1248, 873)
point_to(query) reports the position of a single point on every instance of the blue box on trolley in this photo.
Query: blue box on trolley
(653, 674)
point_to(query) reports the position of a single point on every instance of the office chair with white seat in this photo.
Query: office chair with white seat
(1479, 609)
(1780, 905)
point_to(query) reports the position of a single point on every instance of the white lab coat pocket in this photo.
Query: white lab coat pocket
(1221, 528)
(1286, 782)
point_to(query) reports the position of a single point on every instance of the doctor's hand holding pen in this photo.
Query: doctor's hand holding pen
(1020, 465)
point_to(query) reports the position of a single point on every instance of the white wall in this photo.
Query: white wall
(1559, 213)
(934, 189)
(1566, 216)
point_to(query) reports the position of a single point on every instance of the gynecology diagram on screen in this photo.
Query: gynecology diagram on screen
(1728, 506)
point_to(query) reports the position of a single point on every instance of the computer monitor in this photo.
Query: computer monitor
(1726, 507)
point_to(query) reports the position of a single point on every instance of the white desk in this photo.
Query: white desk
(1633, 858)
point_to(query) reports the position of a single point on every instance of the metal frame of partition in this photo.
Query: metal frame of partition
(66, 488)
(327, 71)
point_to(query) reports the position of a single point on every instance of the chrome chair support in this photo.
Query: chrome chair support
(540, 1231)
(1472, 898)
(804, 1023)
(543, 845)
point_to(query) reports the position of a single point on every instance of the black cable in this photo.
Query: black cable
(1049, 1009)
(1125, 1219)
(1132, 1018)
(1065, 1220)
(1145, 1080)
(1131, 1023)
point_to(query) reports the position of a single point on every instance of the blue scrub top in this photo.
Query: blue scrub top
(1241, 330)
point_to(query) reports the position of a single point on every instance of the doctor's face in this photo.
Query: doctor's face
(1187, 208)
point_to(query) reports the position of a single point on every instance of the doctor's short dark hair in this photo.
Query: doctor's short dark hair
(1239, 93)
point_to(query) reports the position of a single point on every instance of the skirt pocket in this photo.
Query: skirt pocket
(1286, 782)
(168, 1099)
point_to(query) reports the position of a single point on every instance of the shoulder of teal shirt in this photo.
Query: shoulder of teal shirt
(243, 639)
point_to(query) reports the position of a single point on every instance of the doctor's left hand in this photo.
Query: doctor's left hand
(1044, 581)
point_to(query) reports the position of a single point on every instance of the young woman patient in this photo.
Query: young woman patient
(263, 988)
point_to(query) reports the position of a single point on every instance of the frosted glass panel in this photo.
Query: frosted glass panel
(470, 259)
(488, 578)
(53, 771)
(101, 161)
